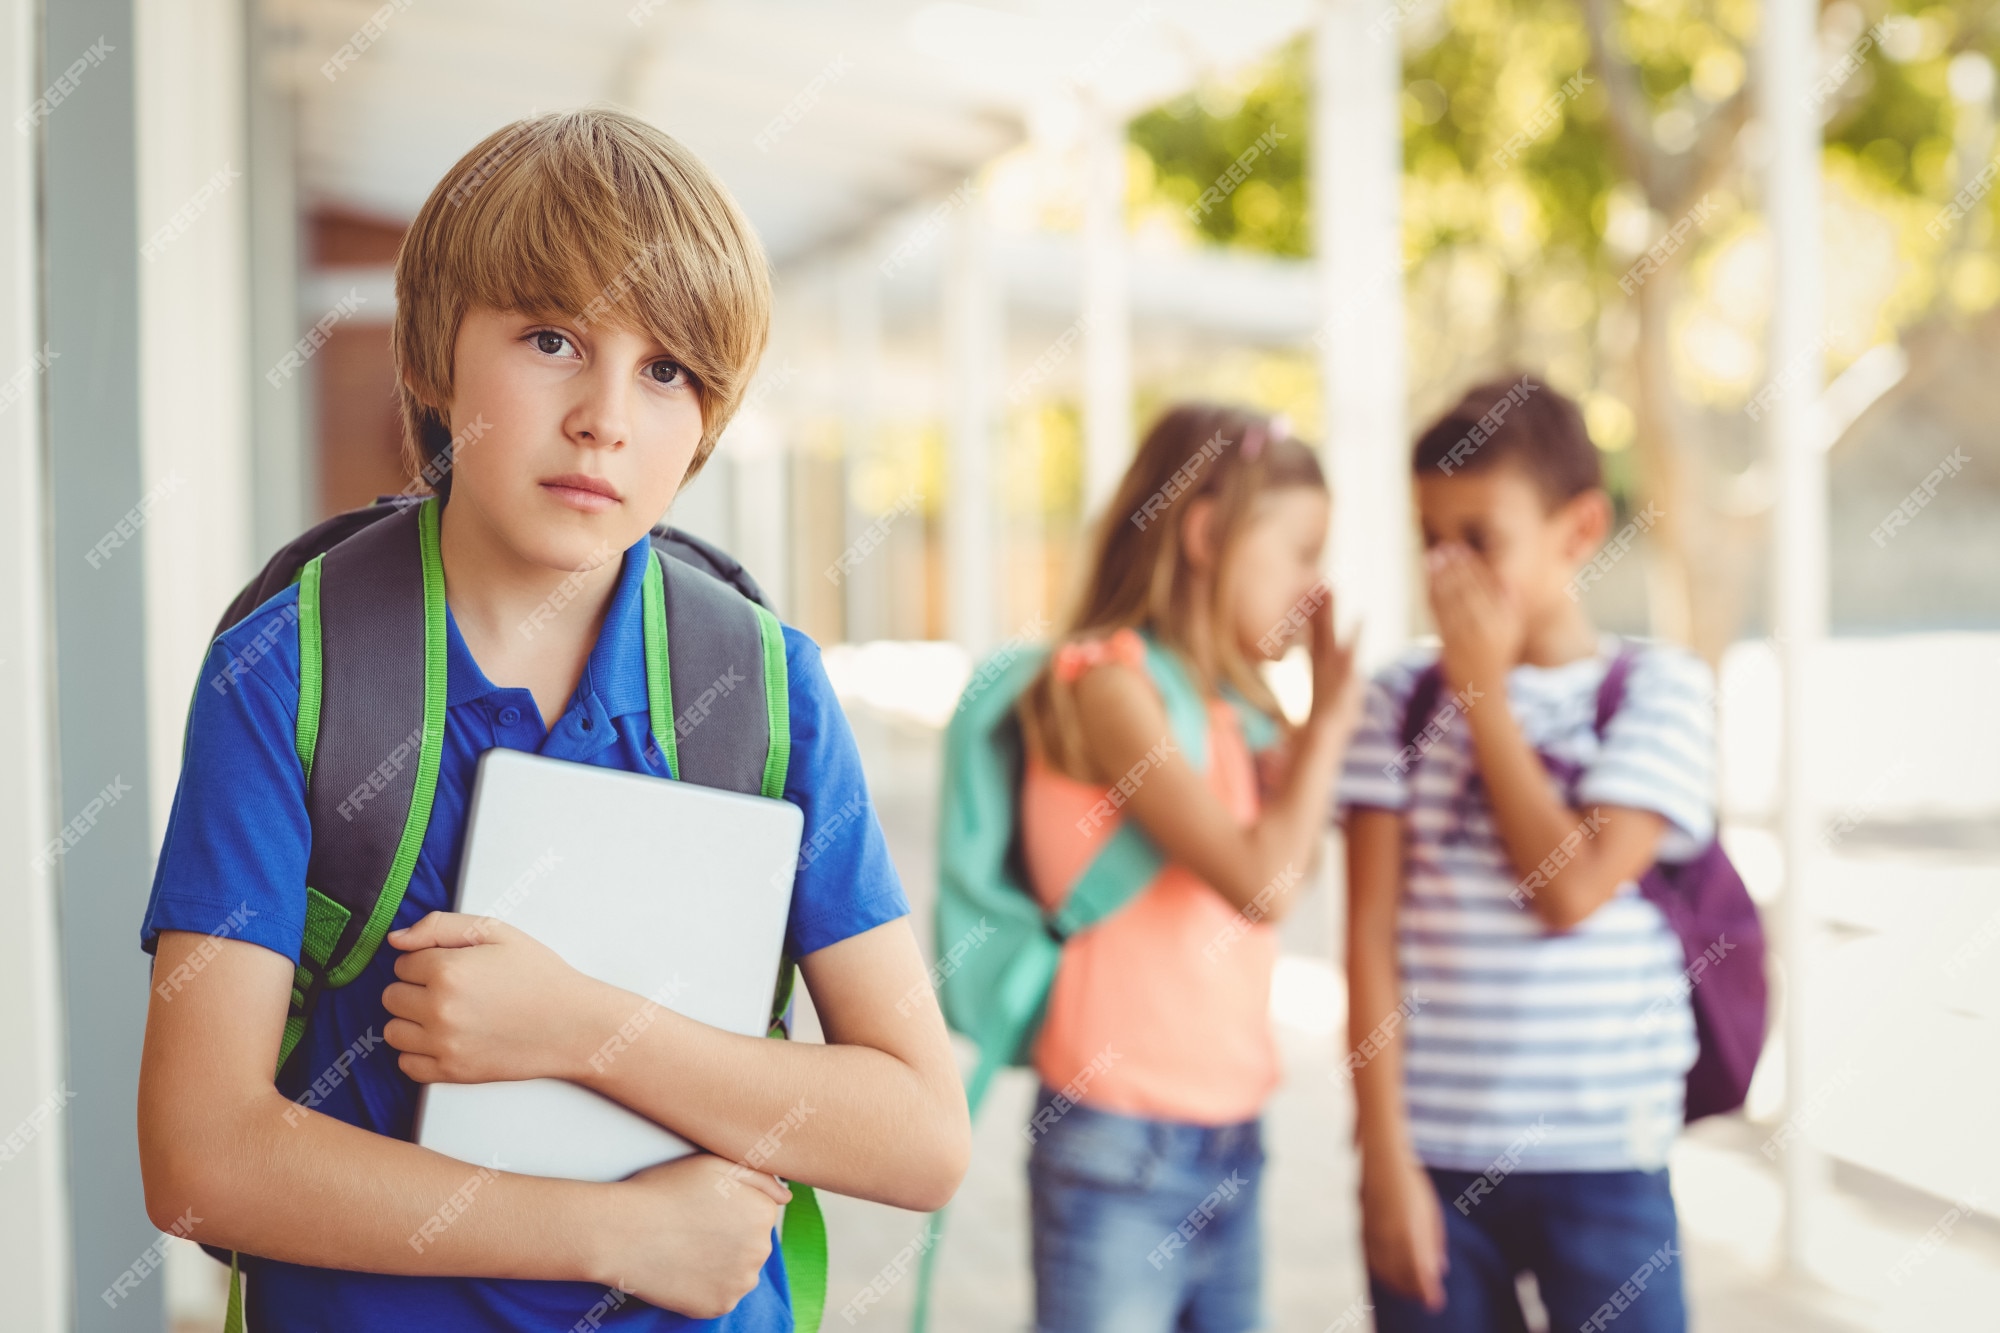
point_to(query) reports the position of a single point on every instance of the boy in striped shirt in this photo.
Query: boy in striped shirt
(1525, 1006)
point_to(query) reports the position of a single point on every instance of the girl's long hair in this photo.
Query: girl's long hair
(1139, 574)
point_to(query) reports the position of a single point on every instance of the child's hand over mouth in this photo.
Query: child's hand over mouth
(1481, 625)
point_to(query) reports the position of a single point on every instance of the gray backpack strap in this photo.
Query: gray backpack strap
(370, 734)
(720, 651)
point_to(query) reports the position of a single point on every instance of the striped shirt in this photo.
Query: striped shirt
(1551, 1052)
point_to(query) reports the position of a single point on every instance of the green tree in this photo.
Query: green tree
(1548, 146)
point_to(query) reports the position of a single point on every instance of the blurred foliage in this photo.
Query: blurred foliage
(1193, 140)
(1525, 237)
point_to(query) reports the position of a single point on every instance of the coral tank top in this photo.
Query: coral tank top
(1163, 1009)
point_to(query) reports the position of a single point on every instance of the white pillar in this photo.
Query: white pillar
(195, 352)
(34, 1223)
(972, 348)
(1357, 181)
(759, 461)
(284, 481)
(858, 320)
(1791, 206)
(195, 373)
(1108, 436)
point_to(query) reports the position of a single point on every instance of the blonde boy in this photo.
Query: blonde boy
(584, 292)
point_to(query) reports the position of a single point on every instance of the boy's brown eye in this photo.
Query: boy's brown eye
(549, 342)
(669, 372)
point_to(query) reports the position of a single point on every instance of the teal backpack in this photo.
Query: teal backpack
(997, 949)
(371, 626)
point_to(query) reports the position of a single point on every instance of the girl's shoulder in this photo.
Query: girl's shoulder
(1121, 646)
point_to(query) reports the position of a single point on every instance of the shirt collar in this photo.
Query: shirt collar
(615, 672)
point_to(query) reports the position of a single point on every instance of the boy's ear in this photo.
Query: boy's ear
(1586, 522)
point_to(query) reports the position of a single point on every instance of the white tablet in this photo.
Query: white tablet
(675, 892)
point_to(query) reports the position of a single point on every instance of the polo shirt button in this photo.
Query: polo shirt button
(509, 716)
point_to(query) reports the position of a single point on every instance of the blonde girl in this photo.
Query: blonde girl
(1156, 1053)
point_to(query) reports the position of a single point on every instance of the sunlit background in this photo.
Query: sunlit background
(1004, 237)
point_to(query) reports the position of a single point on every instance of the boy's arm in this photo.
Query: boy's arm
(1403, 1229)
(1570, 862)
(1375, 988)
(878, 1112)
(229, 1161)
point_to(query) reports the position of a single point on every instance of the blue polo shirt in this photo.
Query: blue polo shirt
(234, 860)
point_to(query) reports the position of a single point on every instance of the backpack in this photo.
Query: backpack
(1704, 902)
(997, 948)
(372, 630)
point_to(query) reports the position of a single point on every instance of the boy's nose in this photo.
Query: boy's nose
(603, 415)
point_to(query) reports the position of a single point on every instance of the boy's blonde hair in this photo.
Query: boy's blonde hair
(585, 216)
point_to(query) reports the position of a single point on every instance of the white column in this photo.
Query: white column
(1357, 181)
(195, 367)
(759, 461)
(34, 1223)
(195, 353)
(858, 320)
(1791, 206)
(1108, 438)
(283, 479)
(972, 349)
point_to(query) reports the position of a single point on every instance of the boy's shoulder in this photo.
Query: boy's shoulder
(1398, 677)
(805, 665)
(263, 644)
(1664, 672)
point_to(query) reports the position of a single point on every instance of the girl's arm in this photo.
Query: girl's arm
(229, 1161)
(878, 1112)
(1124, 725)
(1402, 1226)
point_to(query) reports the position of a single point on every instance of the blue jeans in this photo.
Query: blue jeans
(1144, 1226)
(1603, 1246)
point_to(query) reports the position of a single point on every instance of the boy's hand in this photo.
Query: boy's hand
(1402, 1231)
(1481, 626)
(685, 1237)
(480, 1001)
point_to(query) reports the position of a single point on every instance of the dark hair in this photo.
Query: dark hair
(1520, 423)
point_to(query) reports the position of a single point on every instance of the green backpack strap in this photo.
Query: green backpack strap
(1126, 864)
(733, 730)
(370, 735)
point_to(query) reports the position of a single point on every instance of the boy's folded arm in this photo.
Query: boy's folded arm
(1570, 862)
(878, 1112)
(228, 1160)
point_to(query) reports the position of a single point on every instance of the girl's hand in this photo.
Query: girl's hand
(1336, 701)
(480, 1001)
(1481, 626)
(1402, 1231)
(684, 1237)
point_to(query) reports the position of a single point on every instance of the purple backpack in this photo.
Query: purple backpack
(1703, 900)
